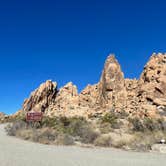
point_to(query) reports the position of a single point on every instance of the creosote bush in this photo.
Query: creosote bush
(111, 120)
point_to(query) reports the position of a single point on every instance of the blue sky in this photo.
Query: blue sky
(67, 41)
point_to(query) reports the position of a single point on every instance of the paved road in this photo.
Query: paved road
(16, 152)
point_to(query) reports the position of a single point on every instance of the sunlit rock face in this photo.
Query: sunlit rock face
(152, 83)
(143, 97)
(41, 98)
(112, 92)
(2, 115)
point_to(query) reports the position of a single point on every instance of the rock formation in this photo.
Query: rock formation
(2, 116)
(143, 97)
(41, 98)
(152, 84)
(112, 92)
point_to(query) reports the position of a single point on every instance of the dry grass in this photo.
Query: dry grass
(103, 141)
(64, 139)
(55, 131)
(69, 131)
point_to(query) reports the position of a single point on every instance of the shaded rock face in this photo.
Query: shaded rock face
(66, 99)
(88, 96)
(41, 98)
(112, 92)
(143, 97)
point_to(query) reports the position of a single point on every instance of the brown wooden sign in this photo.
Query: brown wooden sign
(34, 116)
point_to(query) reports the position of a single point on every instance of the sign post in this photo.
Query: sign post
(32, 117)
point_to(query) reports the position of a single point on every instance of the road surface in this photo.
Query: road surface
(16, 152)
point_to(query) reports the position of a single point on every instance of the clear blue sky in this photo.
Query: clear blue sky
(67, 41)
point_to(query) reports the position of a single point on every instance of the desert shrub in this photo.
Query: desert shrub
(147, 124)
(143, 142)
(75, 126)
(103, 140)
(46, 135)
(161, 124)
(80, 127)
(105, 128)
(109, 118)
(12, 129)
(150, 124)
(120, 144)
(88, 135)
(49, 122)
(122, 114)
(51, 128)
(20, 117)
(22, 130)
(9, 131)
(137, 124)
(64, 139)
(112, 119)
(25, 134)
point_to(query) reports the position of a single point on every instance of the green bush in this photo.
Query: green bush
(109, 118)
(49, 122)
(80, 128)
(112, 119)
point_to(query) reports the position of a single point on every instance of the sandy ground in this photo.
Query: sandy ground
(16, 152)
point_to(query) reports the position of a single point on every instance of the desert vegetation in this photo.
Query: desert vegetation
(57, 130)
(110, 130)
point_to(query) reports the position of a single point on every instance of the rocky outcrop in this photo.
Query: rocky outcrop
(112, 92)
(2, 116)
(152, 84)
(41, 98)
(65, 101)
(153, 79)
(88, 96)
(143, 97)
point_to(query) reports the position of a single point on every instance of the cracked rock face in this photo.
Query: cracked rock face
(143, 97)
(41, 98)
(112, 84)
(152, 83)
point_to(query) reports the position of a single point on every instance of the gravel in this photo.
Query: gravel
(16, 152)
